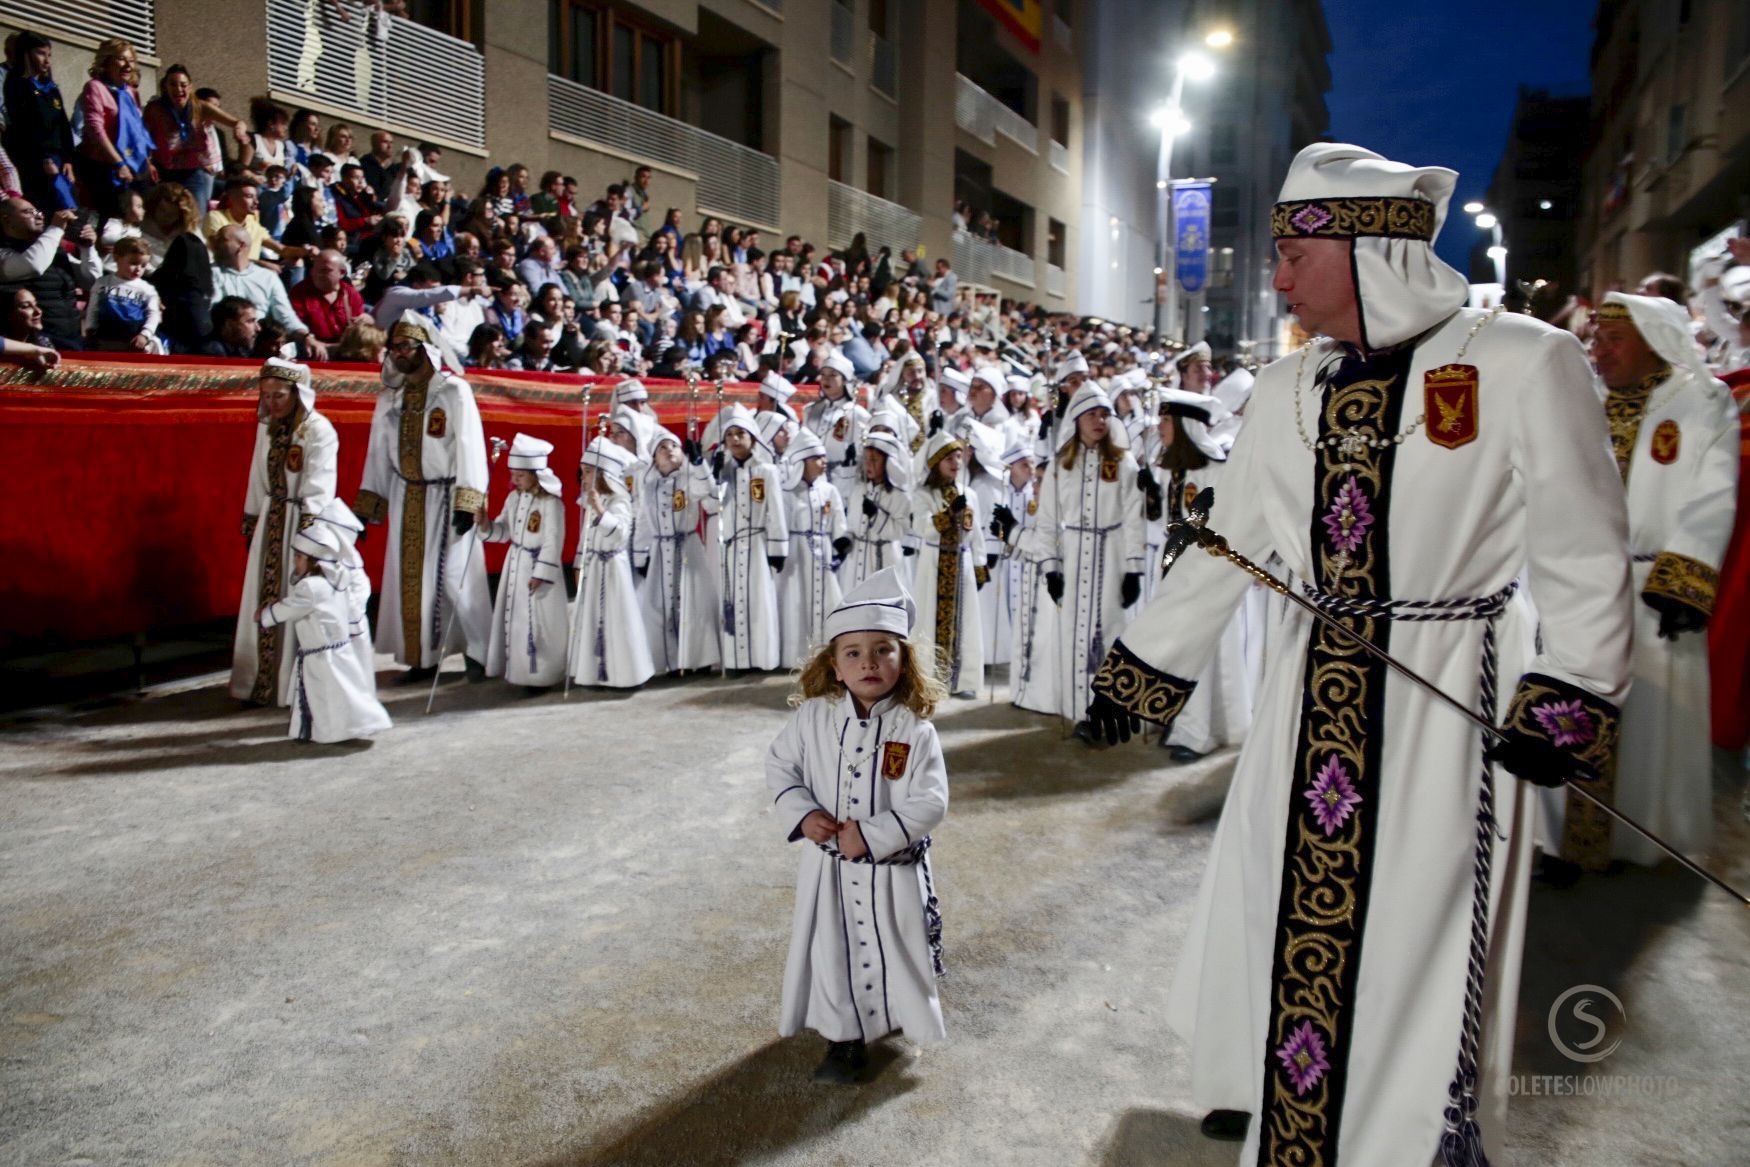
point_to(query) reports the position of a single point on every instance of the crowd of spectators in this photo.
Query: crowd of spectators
(177, 226)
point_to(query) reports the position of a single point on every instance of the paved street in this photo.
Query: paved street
(526, 931)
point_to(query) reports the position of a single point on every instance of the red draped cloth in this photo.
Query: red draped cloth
(129, 475)
(1728, 634)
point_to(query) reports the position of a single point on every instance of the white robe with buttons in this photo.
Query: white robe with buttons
(875, 539)
(529, 629)
(752, 528)
(333, 696)
(860, 964)
(808, 589)
(840, 426)
(608, 648)
(964, 673)
(678, 591)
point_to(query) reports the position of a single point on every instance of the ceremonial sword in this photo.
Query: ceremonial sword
(1196, 530)
(498, 446)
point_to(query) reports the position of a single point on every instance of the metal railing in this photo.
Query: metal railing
(883, 223)
(984, 117)
(1054, 280)
(1059, 155)
(979, 260)
(390, 69)
(883, 65)
(844, 33)
(1060, 32)
(97, 19)
(734, 181)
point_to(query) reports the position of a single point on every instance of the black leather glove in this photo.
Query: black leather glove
(841, 546)
(1002, 522)
(935, 423)
(1131, 589)
(694, 454)
(869, 506)
(464, 522)
(1045, 420)
(641, 570)
(990, 562)
(1675, 618)
(1146, 480)
(1530, 759)
(1054, 586)
(777, 562)
(1111, 720)
(909, 550)
(958, 505)
(850, 455)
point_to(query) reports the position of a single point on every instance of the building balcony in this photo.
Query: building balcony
(1054, 281)
(394, 72)
(133, 19)
(980, 261)
(735, 182)
(984, 117)
(882, 223)
(883, 66)
(844, 33)
(1059, 156)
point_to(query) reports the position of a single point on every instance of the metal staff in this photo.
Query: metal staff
(1196, 530)
(498, 446)
(588, 389)
(717, 383)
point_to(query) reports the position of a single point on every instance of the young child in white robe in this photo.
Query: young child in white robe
(755, 544)
(858, 772)
(529, 628)
(808, 587)
(879, 509)
(948, 537)
(334, 699)
(608, 645)
(677, 590)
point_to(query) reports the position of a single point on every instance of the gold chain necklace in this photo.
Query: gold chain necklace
(1351, 444)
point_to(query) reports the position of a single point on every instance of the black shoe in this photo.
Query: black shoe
(1227, 1125)
(1557, 872)
(1181, 755)
(475, 670)
(843, 1063)
(1086, 731)
(417, 675)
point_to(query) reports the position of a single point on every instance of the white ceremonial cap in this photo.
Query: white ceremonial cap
(1663, 324)
(318, 541)
(1200, 414)
(276, 369)
(898, 457)
(1197, 352)
(941, 444)
(880, 603)
(1019, 451)
(630, 390)
(773, 424)
(661, 434)
(640, 425)
(1090, 396)
(344, 523)
(778, 388)
(1073, 362)
(530, 453)
(614, 462)
(1391, 213)
(1018, 383)
(806, 444)
(992, 376)
(1235, 389)
(984, 441)
(840, 365)
(956, 381)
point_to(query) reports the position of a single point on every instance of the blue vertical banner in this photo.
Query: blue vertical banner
(1191, 235)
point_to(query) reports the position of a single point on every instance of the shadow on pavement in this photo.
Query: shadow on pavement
(1160, 1138)
(280, 750)
(762, 1104)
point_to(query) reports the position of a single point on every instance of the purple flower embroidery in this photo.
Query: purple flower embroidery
(1310, 218)
(1332, 796)
(1303, 1057)
(1349, 517)
(1566, 722)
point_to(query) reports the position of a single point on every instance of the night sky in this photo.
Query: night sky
(1435, 83)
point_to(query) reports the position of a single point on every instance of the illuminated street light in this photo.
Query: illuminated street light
(1497, 253)
(1544, 204)
(1473, 208)
(1221, 38)
(1172, 122)
(1486, 221)
(1197, 67)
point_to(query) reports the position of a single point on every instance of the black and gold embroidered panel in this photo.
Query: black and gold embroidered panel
(411, 454)
(1384, 217)
(1623, 410)
(948, 587)
(1687, 581)
(1146, 691)
(1584, 726)
(270, 583)
(1333, 808)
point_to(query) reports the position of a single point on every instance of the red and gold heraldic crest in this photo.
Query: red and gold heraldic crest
(1449, 402)
(966, 519)
(295, 459)
(680, 500)
(1667, 439)
(436, 424)
(1032, 506)
(1190, 495)
(1108, 471)
(841, 429)
(534, 523)
(757, 489)
(893, 759)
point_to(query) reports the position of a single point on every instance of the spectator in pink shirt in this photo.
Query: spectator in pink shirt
(116, 149)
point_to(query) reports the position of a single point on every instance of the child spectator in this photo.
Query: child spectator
(124, 312)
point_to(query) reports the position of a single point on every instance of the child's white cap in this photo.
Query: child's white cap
(1088, 398)
(530, 453)
(805, 445)
(340, 519)
(318, 541)
(898, 457)
(614, 462)
(841, 365)
(880, 603)
(631, 390)
(956, 382)
(777, 388)
(276, 369)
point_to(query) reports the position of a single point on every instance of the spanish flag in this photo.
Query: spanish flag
(1024, 18)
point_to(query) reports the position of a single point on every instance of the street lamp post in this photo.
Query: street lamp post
(1170, 119)
(1487, 220)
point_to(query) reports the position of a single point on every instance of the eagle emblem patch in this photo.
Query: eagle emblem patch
(1666, 440)
(1032, 506)
(893, 759)
(629, 481)
(839, 430)
(966, 519)
(757, 489)
(295, 459)
(534, 523)
(1108, 471)
(436, 423)
(1449, 402)
(680, 500)
(826, 507)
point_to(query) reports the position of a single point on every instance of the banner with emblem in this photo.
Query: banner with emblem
(1191, 235)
